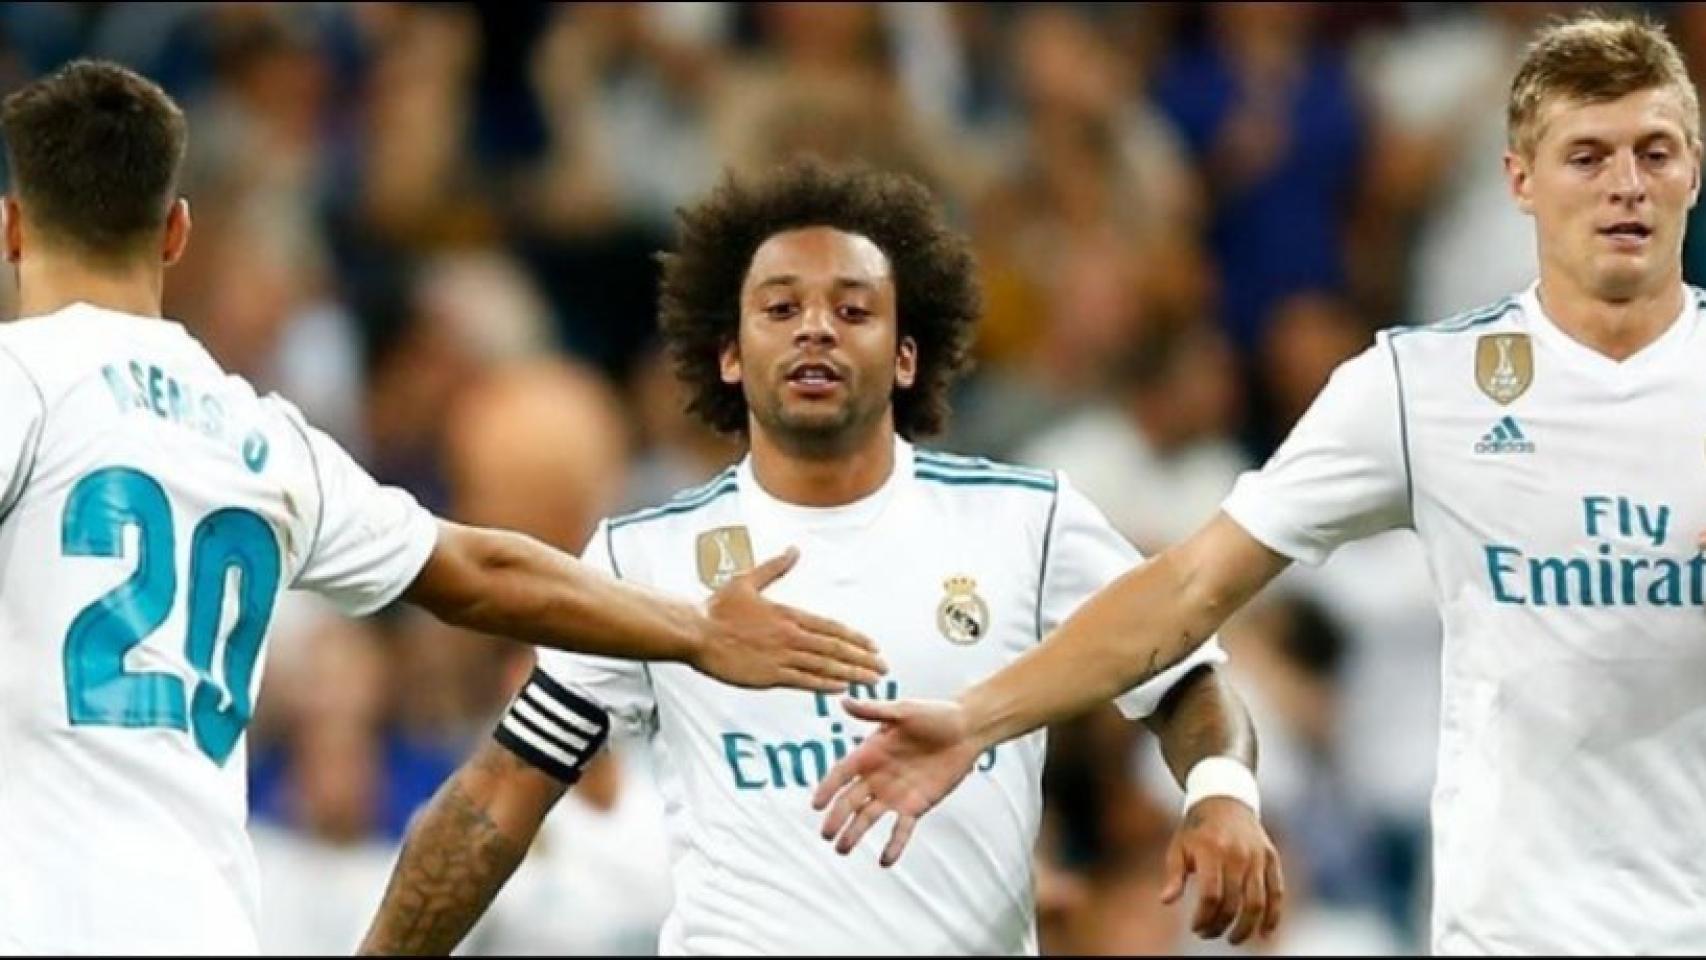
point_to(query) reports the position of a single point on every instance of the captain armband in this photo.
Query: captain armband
(553, 728)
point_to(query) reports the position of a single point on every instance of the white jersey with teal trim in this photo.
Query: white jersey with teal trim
(1558, 494)
(152, 509)
(955, 567)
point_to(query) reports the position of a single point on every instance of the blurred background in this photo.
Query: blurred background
(433, 227)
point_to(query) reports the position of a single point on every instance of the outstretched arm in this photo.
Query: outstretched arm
(367, 544)
(460, 851)
(1138, 625)
(1210, 745)
(510, 584)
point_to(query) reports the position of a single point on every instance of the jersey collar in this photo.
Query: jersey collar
(859, 513)
(1661, 352)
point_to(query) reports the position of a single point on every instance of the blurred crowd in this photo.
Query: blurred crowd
(434, 227)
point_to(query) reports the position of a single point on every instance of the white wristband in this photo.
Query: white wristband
(1222, 777)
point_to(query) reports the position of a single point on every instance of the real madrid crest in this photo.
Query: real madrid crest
(962, 616)
(724, 553)
(1504, 365)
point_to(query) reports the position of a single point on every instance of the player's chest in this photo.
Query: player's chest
(947, 600)
(1567, 458)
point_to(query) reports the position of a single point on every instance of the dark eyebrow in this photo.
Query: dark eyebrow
(790, 280)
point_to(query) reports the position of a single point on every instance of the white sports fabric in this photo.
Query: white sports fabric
(152, 509)
(1558, 494)
(955, 567)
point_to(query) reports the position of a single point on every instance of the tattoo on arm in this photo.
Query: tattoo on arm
(454, 862)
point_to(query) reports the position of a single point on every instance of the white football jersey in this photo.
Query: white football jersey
(955, 567)
(152, 509)
(1559, 494)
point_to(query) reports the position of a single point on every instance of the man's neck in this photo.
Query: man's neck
(1618, 329)
(48, 283)
(834, 481)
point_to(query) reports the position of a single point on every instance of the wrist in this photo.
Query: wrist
(977, 711)
(1222, 776)
(694, 636)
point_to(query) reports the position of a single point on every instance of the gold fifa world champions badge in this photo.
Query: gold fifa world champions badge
(1504, 365)
(962, 616)
(724, 553)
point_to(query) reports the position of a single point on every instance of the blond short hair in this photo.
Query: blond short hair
(1592, 58)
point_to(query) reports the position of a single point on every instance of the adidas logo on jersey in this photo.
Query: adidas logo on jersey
(1505, 437)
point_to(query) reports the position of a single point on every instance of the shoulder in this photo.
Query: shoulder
(971, 493)
(38, 350)
(1441, 358)
(692, 500)
(16, 375)
(1452, 333)
(961, 475)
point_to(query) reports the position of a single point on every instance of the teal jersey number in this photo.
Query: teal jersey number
(99, 691)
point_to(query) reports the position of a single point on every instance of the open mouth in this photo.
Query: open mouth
(1627, 230)
(814, 375)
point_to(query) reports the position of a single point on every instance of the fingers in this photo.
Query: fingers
(838, 777)
(773, 569)
(1230, 901)
(1254, 902)
(826, 668)
(1210, 898)
(846, 805)
(863, 821)
(876, 711)
(897, 840)
(865, 660)
(1178, 870)
(1275, 885)
(837, 640)
(804, 680)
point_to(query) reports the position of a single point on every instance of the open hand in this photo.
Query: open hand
(919, 754)
(751, 642)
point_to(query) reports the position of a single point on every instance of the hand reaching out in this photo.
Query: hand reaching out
(919, 754)
(751, 642)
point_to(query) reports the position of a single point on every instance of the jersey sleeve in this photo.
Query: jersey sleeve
(1341, 475)
(1082, 554)
(573, 701)
(21, 413)
(369, 541)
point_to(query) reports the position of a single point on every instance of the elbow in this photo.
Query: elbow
(459, 582)
(1207, 599)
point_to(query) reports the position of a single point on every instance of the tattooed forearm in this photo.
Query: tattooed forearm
(454, 862)
(1203, 717)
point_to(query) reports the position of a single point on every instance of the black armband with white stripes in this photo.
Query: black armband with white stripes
(553, 728)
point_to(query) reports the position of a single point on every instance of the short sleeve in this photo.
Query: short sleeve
(573, 700)
(1341, 475)
(369, 541)
(21, 413)
(1083, 554)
